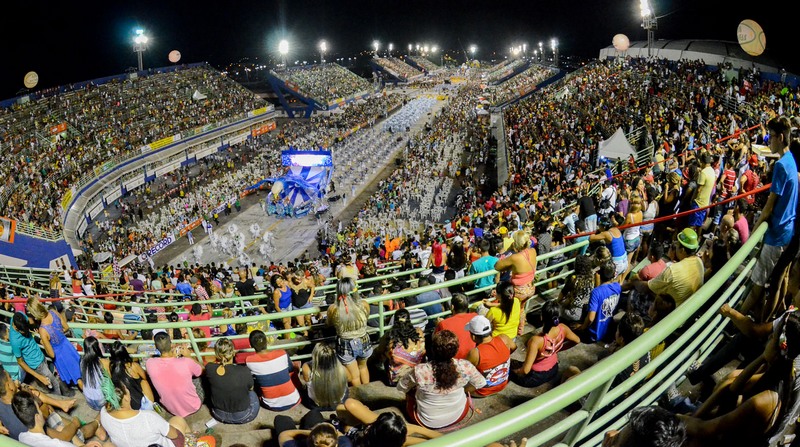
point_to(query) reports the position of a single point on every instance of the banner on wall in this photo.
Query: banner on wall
(162, 244)
(7, 229)
(65, 201)
(265, 128)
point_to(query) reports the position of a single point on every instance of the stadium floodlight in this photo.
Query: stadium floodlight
(648, 22)
(391, 48)
(410, 48)
(554, 46)
(376, 45)
(139, 45)
(323, 48)
(283, 49)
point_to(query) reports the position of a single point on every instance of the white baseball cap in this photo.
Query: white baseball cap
(479, 325)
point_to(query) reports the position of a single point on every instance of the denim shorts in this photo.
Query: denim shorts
(239, 417)
(632, 244)
(95, 405)
(354, 349)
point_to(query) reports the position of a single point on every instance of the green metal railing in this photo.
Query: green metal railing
(584, 427)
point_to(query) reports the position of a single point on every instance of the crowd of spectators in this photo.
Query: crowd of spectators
(627, 281)
(398, 68)
(519, 85)
(424, 63)
(154, 210)
(327, 83)
(99, 123)
(502, 70)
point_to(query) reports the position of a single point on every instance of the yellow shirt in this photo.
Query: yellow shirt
(705, 184)
(680, 280)
(503, 325)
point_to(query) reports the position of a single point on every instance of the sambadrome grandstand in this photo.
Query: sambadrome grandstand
(542, 138)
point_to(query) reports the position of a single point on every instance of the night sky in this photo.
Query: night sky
(74, 41)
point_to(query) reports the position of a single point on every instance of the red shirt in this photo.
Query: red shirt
(240, 344)
(494, 364)
(202, 317)
(456, 323)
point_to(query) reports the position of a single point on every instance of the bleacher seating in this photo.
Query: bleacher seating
(53, 141)
(326, 83)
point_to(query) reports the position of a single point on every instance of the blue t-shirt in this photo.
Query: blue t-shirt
(26, 349)
(185, 288)
(11, 421)
(784, 184)
(8, 360)
(603, 302)
(483, 264)
(427, 297)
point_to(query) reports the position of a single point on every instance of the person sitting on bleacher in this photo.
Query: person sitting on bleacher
(684, 276)
(602, 305)
(171, 375)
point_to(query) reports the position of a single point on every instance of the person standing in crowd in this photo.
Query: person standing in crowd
(348, 315)
(706, 180)
(282, 297)
(612, 237)
(491, 356)
(485, 263)
(52, 326)
(780, 213)
(522, 265)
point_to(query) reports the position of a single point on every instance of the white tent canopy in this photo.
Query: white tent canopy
(616, 147)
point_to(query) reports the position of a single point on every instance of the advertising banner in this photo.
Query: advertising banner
(162, 244)
(7, 229)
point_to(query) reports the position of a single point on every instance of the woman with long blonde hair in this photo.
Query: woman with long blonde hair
(326, 378)
(349, 314)
(52, 325)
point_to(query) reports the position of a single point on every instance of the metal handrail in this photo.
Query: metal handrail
(596, 382)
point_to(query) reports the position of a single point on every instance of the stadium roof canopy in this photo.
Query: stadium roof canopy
(713, 52)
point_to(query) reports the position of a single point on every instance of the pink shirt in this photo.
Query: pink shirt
(172, 377)
(652, 270)
(742, 228)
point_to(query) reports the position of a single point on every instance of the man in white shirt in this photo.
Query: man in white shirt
(610, 193)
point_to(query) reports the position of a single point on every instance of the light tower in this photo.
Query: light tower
(323, 48)
(376, 45)
(283, 48)
(554, 46)
(649, 23)
(541, 52)
(139, 45)
(391, 48)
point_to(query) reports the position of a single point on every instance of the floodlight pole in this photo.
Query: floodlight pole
(649, 23)
(139, 45)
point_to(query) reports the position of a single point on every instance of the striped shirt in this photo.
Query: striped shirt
(272, 374)
(8, 360)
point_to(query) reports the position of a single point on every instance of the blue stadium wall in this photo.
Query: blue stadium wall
(27, 251)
